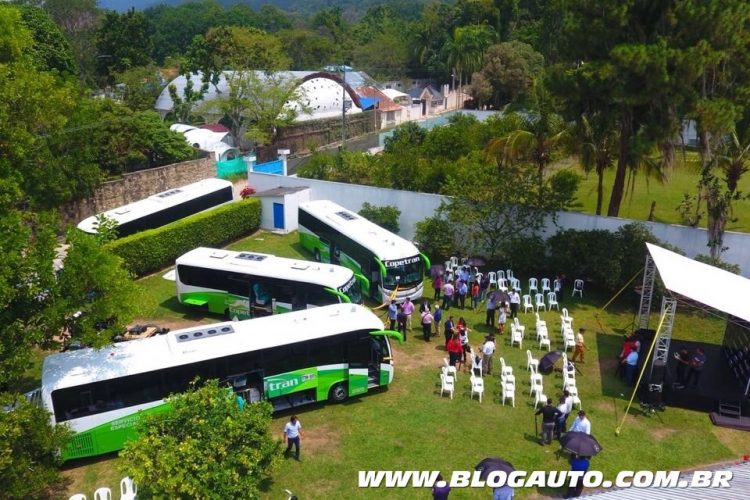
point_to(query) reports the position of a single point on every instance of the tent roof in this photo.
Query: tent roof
(709, 285)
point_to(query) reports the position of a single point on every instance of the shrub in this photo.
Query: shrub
(154, 249)
(385, 217)
(590, 255)
(526, 255)
(435, 238)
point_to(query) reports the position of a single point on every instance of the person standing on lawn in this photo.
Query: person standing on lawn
(515, 302)
(550, 414)
(426, 320)
(408, 308)
(436, 317)
(580, 346)
(292, 436)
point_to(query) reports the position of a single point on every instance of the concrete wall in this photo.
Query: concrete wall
(418, 206)
(135, 186)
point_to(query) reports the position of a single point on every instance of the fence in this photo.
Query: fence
(418, 206)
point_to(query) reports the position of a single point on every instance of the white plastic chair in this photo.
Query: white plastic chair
(535, 380)
(103, 494)
(573, 391)
(516, 337)
(544, 341)
(477, 387)
(446, 384)
(454, 261)
(539, 398)
(577, 288)
(128, 489)
(552, 301)
(509, 274)
(509, 393)
(502, 285)
(569, 341)
(500, 274)
(527, 306)
(541, 332)
(477, 366)
(505, 369)
(531, 363)
(519, 327)
(536, 386)
(450, 370)
(533, 286)
(515, 284)
(545, 285)
(78, 496)
(539, 299)
(539, 321)
(493, 279)
(508, 380)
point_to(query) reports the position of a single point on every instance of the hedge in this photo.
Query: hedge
(149, 251)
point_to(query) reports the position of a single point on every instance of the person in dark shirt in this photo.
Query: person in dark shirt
(577, 464)
(401, 319)
(697, 361)
(550, 414)
(683, 362)
(441, 489)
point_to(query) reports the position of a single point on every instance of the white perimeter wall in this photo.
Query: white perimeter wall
(418, 206)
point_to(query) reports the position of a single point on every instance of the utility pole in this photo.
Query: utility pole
(343, 106)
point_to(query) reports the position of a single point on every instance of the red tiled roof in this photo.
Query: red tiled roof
(384, 104)
(214, 127)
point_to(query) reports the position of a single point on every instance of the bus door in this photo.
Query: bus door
(249, 386)
(375, 279)
(335, 253)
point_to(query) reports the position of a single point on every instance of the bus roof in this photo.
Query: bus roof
(156, 202)
(190, 345)
(383, 243)
(262, 264)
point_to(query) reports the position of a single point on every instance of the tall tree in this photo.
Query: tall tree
(78, 20)
(204, 443)
(626, 52)
(51, 49)
(510, 68)
(464, 52)
(123, 42)
(593, 139)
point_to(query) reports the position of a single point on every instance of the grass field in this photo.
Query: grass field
(637, 203)
(409, 426)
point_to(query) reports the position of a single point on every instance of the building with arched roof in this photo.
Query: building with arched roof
(322, 92)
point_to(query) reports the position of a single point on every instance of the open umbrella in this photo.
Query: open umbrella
(580, 443)
(436, 270)
(500, 296)
(476, 261)
(548, 361)
(492, 464)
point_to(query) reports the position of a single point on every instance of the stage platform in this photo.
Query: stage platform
(717, 383)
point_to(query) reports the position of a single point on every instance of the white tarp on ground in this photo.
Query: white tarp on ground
(714, 287)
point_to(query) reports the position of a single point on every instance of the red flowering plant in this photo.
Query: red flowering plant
(246, 192)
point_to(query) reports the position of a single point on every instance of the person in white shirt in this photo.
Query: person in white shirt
(488, 349)
(562, 407)
(515, 302)
(292, 435)
(581, 423)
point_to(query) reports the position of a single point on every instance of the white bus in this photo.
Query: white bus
(165, 207)
(327, 353)
(334, 234)
(251, 284)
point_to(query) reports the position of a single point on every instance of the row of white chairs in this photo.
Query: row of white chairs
(539, 302)
(128, 491)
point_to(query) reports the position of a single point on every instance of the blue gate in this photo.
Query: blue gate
(278, 216)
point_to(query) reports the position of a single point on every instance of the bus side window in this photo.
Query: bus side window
(319, 297)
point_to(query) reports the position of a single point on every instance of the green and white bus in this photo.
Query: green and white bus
(250, 284)
(326, 353)
(334, 234)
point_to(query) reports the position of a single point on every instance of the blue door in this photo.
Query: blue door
(278, 216)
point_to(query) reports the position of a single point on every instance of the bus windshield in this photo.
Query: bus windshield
(352, 290)
(403, 272)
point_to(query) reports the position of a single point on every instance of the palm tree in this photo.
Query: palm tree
(464, 52)
(594, 140)
(536, 140)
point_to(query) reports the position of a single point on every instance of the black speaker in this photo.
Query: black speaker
(657, 373)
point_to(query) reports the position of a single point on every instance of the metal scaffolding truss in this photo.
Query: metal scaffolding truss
(664, 335)
(647, 292)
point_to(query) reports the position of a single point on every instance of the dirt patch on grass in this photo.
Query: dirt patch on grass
(325, 441)
(427, 355)
(661, 433)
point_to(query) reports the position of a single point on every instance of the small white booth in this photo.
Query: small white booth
(279, 207)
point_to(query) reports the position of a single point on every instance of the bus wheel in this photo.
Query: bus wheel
(339, 393)
(317, 255)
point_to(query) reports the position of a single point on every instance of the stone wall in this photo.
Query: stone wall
(135, 186)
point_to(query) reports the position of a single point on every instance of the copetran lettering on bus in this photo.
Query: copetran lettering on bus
(349, 285)
(123, 423)
(402, 262)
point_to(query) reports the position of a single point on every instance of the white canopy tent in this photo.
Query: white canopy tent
(716, 288)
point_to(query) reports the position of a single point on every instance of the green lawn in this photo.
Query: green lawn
(409, 426)
(637, 203)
